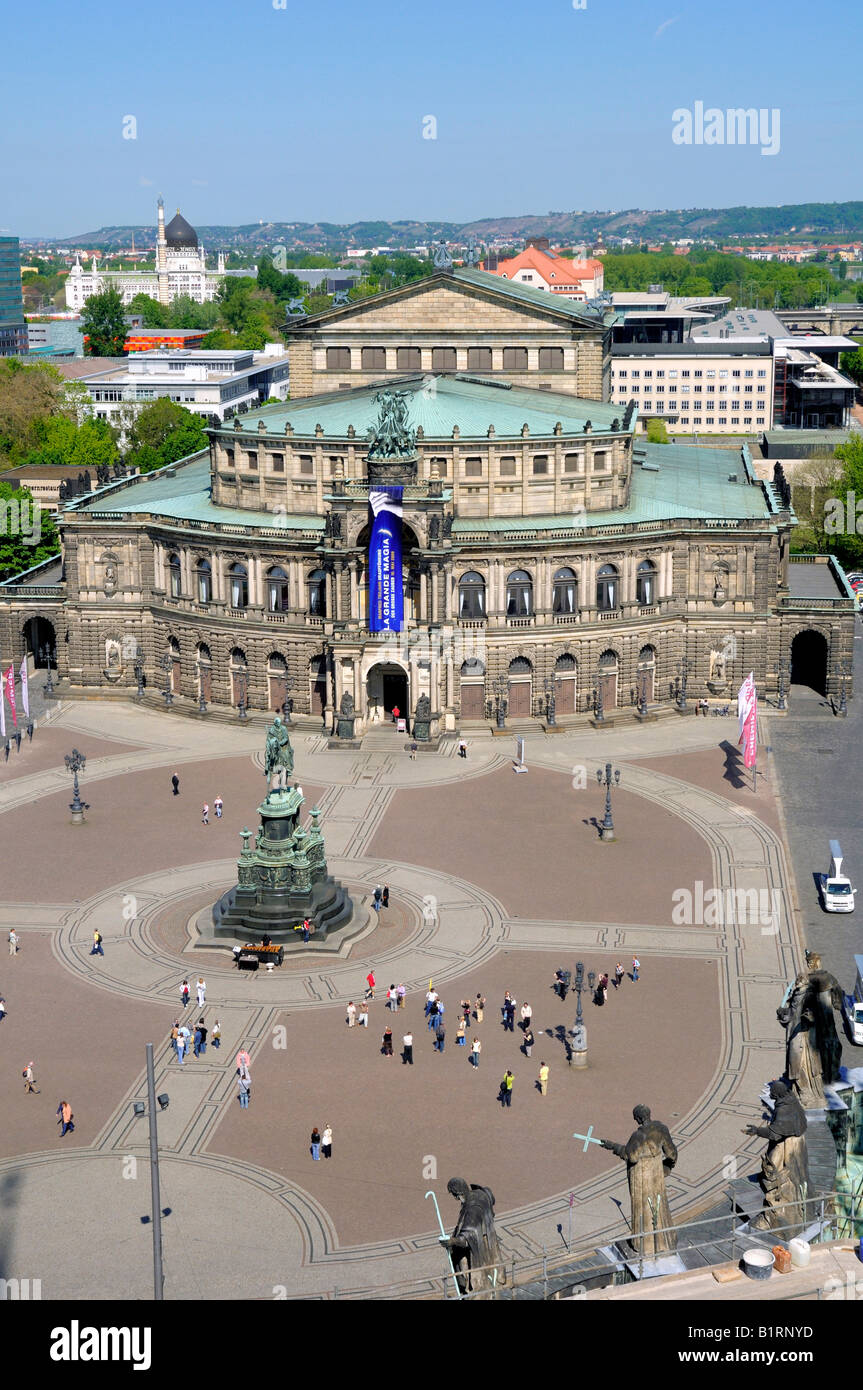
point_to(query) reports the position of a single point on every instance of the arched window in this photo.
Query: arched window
(204, 576)
(175, 576)
(174, 646)
(564, 591)
(318, 593)
(565, 664)
(607, 594)
(645, 583)
(472, 668)
(471, 595)
(278, 600)
(520, 666)
(239, 576)
(647, 656)
(519, 595)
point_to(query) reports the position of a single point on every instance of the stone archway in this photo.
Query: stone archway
(809, 652)
(40, 641)
(387, 689)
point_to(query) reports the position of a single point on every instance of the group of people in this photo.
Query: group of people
(322, 1142)
(183, 1038)
(563, 981)
(200, 992)
(381, 897)
(205, 810)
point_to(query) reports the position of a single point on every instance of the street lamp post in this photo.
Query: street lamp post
(501, 688)
(138, 1109)
(241, 702)
(138, 668)
(74, 763)
(46, 654)
(782, 702)
(598, 713)
(288, 705)
(167, 665)
(844, 677)
(682, 674)
(578, 1055)
(551, 701)
(642, 694)
(611, 778)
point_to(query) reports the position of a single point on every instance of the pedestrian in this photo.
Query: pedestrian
(509, 1013)
(413, 750)
(216, 1034)
(29, 1074)
(460, 1039)
(196, 1041)
(244, 1089)
(327, 1142)
(175, 1033)
(479, 1008)
(396, 713)
(431, 998)
(387, 1041)
(237, 951)
(205, 815)
(202, 1032)
(201, 992)
(636, 966)
(351, 1014)
(475, 1050)
(506, 1089)
(392, 999)
(66, 1120)
(217, 806)
(400, 993)
(363, 1019)
(529, 1041)
(175, 784)
(184, 992)
(385, 895)
(408, 1049)
(371, 982)
(243, 1061)
(439, 1036)
(307, 926)
(97, 944)
(603, 985)
(181, 1044)
(376, 902)
(13, 942)
(619, 974)
(316, 1144)
(561, 982)
(543, 1078)
(433, 1011)
(462, 748)
(526, 1016)
(2, 1008)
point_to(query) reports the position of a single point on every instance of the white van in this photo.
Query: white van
(853, 1006)
(837, 895)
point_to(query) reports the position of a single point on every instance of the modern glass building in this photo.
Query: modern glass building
(13, 328)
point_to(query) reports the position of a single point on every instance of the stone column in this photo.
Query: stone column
(434, 615)
(424, 615)
(355, 608)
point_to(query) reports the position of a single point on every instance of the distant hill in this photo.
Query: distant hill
(801, 220)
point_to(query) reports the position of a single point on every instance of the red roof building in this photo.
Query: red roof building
(543, 270)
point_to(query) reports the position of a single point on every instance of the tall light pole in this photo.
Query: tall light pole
(611, 778)
(782, 703)
(682, 674)
(167, 665)
(74, 763)
(138, 1109)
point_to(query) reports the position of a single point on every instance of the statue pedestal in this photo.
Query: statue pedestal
(578, 1060)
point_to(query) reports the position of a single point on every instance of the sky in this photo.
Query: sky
(274, 110)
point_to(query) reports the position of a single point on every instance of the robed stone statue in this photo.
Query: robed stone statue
(813, 1051)
(784, 1168)
(473, 1244)
(278, 754)
(649, 1153)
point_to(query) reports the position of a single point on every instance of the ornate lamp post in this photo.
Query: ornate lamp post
(550, 687)
(682, 673)
(611, 778)
(138, 668)
(781, 702)
(202, 704)
(46, 654)
(598, 714)
(288, 705)
(578, 1056)
(241, 702)
(642, 694)
(844, 677)
(167, 665)
(74, 763)
(500, 686)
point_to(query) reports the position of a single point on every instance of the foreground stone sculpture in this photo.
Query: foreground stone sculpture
(813, 1051)
(648, 1153)
(785, 1166)
(473, 1244)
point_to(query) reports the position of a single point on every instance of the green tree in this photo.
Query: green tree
(154, 314)
(28, 393)
(104, 324)
(162, 433)
(851, 364)
(656, 432)
(22, 545)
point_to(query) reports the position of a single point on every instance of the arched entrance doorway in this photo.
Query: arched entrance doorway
(204, 664)
(40, 639)
(472, 688)
(566, 672)
(277, 681)
(646, 675)
(809, 661)
(318, 684)
(608, 679)
(386, 691)
(520, 674)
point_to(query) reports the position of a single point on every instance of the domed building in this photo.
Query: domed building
(447, 512)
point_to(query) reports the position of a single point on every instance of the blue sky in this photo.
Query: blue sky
(246, 111)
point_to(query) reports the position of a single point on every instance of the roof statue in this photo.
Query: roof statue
(473, 253)
(393, 437)
(441, 257)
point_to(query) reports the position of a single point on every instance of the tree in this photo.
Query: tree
(154, 314)
(162, 433)
(104, 325)
(656, 432)
(851, 364)
(22, 543)
(28, 392)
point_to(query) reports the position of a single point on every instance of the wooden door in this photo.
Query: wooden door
(565, 700)
(519, 699)
(472, 702)
(609, 691)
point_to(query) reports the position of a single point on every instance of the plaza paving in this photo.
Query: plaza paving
(521, 885)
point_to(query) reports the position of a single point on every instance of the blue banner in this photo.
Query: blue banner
(386, 599)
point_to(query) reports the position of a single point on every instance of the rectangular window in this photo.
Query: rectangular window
(711, 374)
(622, 374)
(572, 463)
(551, 359)
(635, 375)
(647, 374)
(374, 359)
(507, 467)
(473, 468)
(479, 359)
(723, 420)
(672, 374)
(659, 374)
(698, 389)
(747, 389)
(443, 359)
(684, 374)
(697, 373)
(762, 373)
(672, 388)
(253, 460)
(540, 464)
(600, 462)
(762, 388)
(278, 462)
(711, 388)
(735, 419)
(759, 420)
(515, 359)
(735, 373)
(306, 463)
(408, 359)
(338, 359)
(722, 374)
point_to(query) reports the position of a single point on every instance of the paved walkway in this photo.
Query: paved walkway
(252, 1227)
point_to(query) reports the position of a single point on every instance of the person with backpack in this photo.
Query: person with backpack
(97, 944)
(66, 1118)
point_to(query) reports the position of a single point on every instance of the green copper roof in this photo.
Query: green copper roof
(540, 299)
(437, 404)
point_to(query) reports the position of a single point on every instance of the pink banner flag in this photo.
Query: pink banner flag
(2, 711)
(747, 719)
(9, 689)
(25, 689)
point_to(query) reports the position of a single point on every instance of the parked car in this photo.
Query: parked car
(837, 894)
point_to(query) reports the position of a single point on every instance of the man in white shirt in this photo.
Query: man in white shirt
(408, 1050)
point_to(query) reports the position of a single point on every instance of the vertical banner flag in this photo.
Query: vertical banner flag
(2, 709)
(9, 689)
(25, 690)
(747, 720)
(386, 599)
